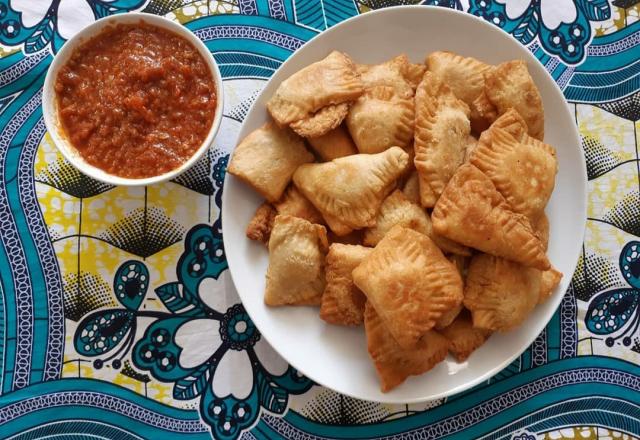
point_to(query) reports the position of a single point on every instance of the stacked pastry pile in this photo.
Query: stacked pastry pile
(418, 209)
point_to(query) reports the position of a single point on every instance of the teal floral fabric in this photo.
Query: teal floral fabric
(118, 319)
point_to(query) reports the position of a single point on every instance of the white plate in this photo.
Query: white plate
(334, 356)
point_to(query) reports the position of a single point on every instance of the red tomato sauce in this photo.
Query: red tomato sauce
(136, 100)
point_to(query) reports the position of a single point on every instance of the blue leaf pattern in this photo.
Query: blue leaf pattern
(595, 10)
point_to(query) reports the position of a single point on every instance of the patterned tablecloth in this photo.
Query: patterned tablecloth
(116, 306)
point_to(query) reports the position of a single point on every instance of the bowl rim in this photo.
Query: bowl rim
(555, 300)
(50, 108)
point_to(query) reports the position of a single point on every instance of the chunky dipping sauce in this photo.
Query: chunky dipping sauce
(136, 100)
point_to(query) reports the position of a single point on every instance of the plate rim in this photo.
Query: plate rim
(530, 58)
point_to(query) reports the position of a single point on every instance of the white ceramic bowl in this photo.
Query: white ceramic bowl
(335, 356)
(49, 101)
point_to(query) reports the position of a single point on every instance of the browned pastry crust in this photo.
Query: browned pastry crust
(393, 363)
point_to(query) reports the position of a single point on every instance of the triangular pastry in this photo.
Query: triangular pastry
(297, 252)
(379, 120)
(441, 134)
(464, 338)
(395, 364)
(550, 279)
(523, 173)
(472, 212)
(351, 189)
(333, 144)
(500, 293)
(398, 73)
(294, 203)
(409, 282)
(267, 158)
(322, 121)
(332, 80)
(398, 210)
(509, 85)
(465, 78)
(342, 301)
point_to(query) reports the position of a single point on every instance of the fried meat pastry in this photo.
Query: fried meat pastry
(500, 293)
(380, 119)
(297, 252)
(409, 282)
(472, 143)
(541, 229)
(322, 121)
(267, 158)
(484, 113)
(333, 144)
(448, 317)
(398, 73)
(342, 301)
(411, 188)
(395, 364)
(294, 203)
(471, 211)
(523, 173)
(463, 337)
(259, 228)
(351, 189)
(441, 134)
(332, 80)
(550, 279)
(509, 85)
(465, 78)
(398, 210)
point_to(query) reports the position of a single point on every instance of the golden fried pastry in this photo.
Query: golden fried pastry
(509, 85)
(259, 228)
(500, 293)
(336, 225)
(510, 121)
(441, 134)
(379, 119)
(471, 211)
(465, 78)
(461, 263)
(411, 188)
(409, 282)
(395, 364)
(398, 210)
(398, 73)
(541, 229)
(267, 158)
(550, 279)
(463, 337)
(322, 121)
(351, 189)
(483, 113)
(297, 251)
(472, 143)
(342, 301)
(333, 144)
(523, 173)
(295, 204)
(332, 80)
(448, 317)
